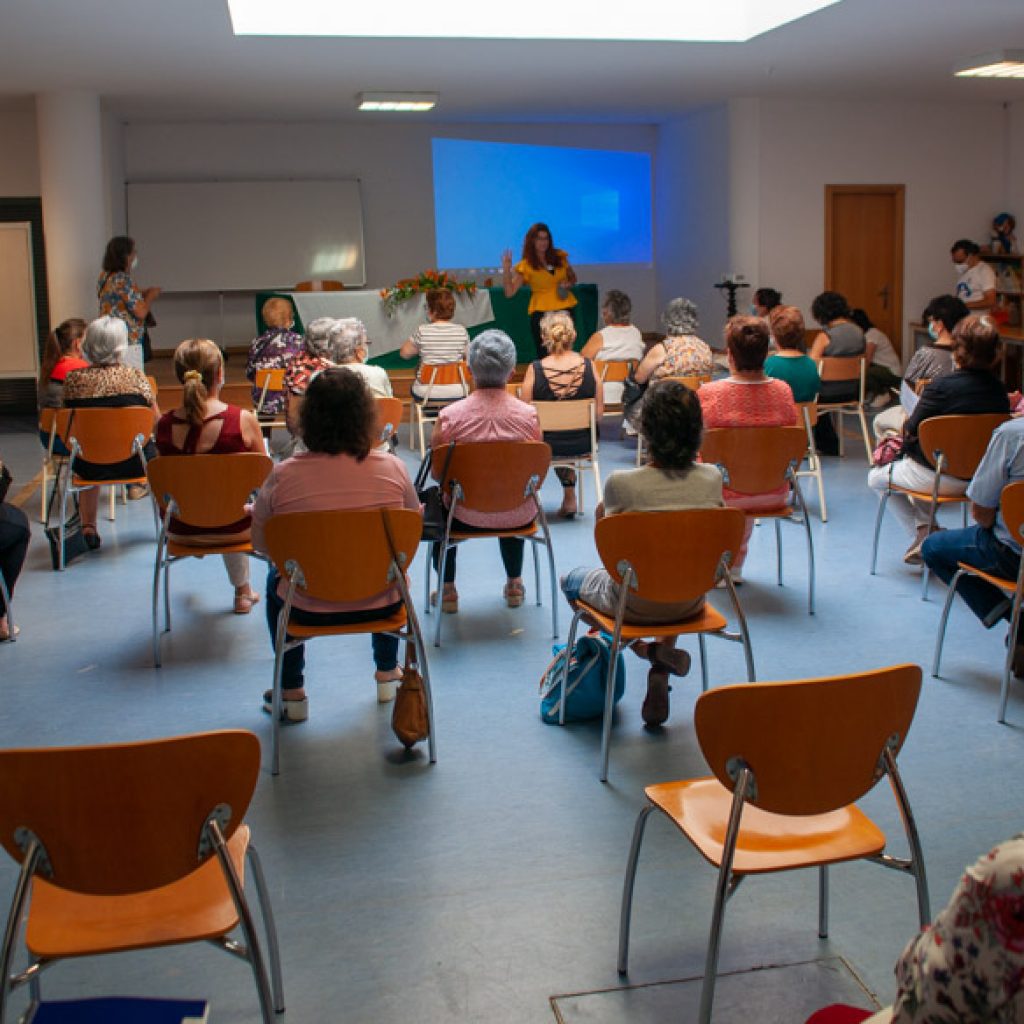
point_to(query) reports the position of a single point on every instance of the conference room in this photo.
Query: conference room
(488, 884)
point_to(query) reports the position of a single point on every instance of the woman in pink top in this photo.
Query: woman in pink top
(342, 468)
(747, 398)
(490, 413)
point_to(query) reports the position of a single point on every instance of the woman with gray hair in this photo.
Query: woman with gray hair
(682, 353)
(106, 382)
(618, 341)
(315, 356)
(349, 347)
(489, 413)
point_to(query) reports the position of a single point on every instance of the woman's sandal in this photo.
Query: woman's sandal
(92, 538)
(244, 602)
(449, 601)
(6, 635)
(514, 594)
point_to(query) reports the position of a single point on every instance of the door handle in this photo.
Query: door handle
(884, 296)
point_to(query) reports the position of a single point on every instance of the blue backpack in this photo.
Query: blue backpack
(588, 671)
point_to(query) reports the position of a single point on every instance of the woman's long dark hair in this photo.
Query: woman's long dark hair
(58, 344)
(554, 257)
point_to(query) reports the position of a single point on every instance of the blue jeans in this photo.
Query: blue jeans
(571, 583)
(385, 647)
(978, 547)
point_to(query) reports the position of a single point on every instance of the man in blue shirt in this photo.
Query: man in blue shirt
(987, 545)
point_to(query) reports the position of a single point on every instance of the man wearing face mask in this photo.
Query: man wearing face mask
(120, 296)
(976, 280)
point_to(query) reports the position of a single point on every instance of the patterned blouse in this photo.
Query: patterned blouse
(273, 350)
(301, 368)
(107, 386)
(119, 295)
(685, 356)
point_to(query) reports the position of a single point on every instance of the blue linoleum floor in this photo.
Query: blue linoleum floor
(476, 889)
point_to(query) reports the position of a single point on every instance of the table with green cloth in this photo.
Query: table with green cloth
(510, 316)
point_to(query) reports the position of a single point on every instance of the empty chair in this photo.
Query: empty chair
(809, 417)
(840, 370)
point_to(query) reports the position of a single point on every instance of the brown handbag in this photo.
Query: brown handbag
(409, 719)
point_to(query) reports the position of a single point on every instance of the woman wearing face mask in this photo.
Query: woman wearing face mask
(120, 296)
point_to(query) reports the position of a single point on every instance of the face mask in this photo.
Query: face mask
(933, 332)
(135, 262)
(960, 268)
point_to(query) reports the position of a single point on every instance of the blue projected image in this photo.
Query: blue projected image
(486, 194)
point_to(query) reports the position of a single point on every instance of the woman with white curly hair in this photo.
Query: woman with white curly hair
(349, 347)
(314, 357)
(682, 353)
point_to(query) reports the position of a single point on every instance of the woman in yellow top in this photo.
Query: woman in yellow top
(547, 272)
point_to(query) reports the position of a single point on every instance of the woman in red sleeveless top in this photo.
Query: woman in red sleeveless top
(204, 425)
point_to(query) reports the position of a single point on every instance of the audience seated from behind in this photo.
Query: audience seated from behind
(204, 425)
(791, 362)
(340, 468)
(349, 346)
(15, 533)
(561, 376)
(618, 340)
(274, 349)
(747, 398)
(883, 373)
(968, 964)
(671, 424)
(314, 357)
(971, 388)
(765, 300)
(63, 354)
(440, 342)
(106, 383)
(489, 413)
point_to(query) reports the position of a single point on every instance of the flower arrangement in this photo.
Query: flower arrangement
(425, 281)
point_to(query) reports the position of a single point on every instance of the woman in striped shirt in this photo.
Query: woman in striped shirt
(438, 343)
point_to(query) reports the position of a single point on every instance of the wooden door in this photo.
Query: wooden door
(19, 356)
(864, 251)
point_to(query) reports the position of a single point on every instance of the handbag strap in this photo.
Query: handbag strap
(410, 647)
(423, 471)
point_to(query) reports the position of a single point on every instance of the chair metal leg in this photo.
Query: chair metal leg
(864, 433)
(778, 550)
(536, 572)
(702, 640)
(810, 547)
(913, 839)
(941, 638)
(156, 606)
(823, 901)
(882, 501)
(748, 652)
(280, 640)
(837, 426)
(421, 658)
(440, 592)
(1011, 642)
(267, 913)
(626, 910)
(18, 903)
(609, 704)
(112, 496)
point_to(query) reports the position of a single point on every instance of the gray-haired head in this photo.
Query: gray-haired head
(345, 338)
(618, 306)
(318, 333)
(105, 342)
(680, 317)
(492, 358)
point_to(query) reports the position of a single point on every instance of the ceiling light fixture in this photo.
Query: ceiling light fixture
(1001, 64)
(396, 101)
(639, 20)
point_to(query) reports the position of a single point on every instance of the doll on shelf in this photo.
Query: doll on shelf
(1003, 238)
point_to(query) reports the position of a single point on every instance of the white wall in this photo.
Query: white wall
(19, 154)
(1014, 182)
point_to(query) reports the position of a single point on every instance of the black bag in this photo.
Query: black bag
(435, 515)
(632, 391)
(74, 538)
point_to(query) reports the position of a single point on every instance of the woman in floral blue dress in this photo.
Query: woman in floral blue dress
(120, 296)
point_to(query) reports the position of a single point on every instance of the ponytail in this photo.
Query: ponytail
(59, 343)
(196, 364)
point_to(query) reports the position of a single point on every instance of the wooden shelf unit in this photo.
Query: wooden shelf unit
(1009, 268)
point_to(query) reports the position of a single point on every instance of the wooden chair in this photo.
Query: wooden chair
(788, 760)
(495, 476)
(579, 414)
(325, 285)
(389, 419)
(205, 491)
(954, 446)
(134, 846)
(425, 410)
(53, 463)
(172, 396)
(267, 380)
(755, 460)
(102, 436)
(1011, 504)
(345, 556)
(153, 386)
(671, 557)
(613, 371)
(693, 382)
(239, 395)
(852, 369)
(809, 417)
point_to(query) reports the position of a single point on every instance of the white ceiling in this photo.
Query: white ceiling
(177, 59)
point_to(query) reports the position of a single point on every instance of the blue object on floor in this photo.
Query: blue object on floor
(121, 1011)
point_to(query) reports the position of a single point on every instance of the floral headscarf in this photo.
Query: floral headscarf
(968, 965)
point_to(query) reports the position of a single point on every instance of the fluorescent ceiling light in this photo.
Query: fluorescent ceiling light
(402, 101)
(1003, 64)
(639, 20)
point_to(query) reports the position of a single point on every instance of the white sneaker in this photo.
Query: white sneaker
(386, 691)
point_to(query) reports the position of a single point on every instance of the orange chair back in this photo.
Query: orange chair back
(612, 371)
(674, 555)
(126, 817)
(1011, 503)
(961, 439)
(105, 435)
(153, 386)
(444, 373)
(208, 490)
(239, 395)
(388, 417)
(692, 382)
(344, 555)
(47, 420)
(320, 286)
(577, 414)
(494, 475)
(808, 412)
(813, 745)
(836, 368)
(755, 458)
(171, 397)
(271, 379)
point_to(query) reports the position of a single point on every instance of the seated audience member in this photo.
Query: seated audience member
(349, 346)
(987, 545)
(972, 388)
(107, 383)
(791, 362)
(341, 468)
(204, 425)
(672, 480)
(63, 354)
(617, 341)
(15, 533)
(490, 413)
(941, 315)
(314, 357)
(883, 374)
(747, 398)
(765, 300)
(968, 964)
(561, 376)
(440, 342)
(274, 349)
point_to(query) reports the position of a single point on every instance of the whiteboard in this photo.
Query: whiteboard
(218, 236)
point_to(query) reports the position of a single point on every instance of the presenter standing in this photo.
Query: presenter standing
(120, 296)
(547, 273)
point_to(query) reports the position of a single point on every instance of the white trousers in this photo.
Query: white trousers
(908, 473)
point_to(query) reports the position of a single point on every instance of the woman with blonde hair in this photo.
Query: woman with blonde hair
(274, 349)
(204, 425)
(563, 376)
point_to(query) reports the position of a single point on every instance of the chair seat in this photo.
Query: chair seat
(706, 621)
(997, 581)
(520, 531)
(767, 842)
(178, 550)
(79, 481)
(389, 625)
(943, 499)
(63, 923)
